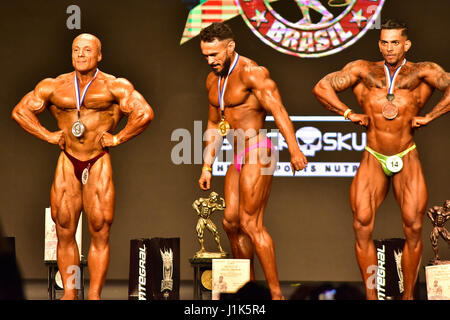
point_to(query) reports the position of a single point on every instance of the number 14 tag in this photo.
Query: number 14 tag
(394, 164)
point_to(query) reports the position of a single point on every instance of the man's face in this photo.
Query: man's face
(218, 55)
(85, 54)
(393, 46)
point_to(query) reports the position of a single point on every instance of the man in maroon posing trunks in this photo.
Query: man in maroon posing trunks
(240, 94)
(87, 104)
(391, 93)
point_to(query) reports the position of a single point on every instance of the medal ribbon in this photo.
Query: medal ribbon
(77, 91)
(391, 80)
(222, 93)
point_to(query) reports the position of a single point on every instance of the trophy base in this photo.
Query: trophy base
(437, 262)
(210, 255)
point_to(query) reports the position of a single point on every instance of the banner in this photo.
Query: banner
(154, 269)
(389, 272)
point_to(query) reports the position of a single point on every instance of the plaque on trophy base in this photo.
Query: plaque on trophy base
(438, 281)
(229, 275)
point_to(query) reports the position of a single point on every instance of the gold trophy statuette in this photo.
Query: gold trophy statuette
(204, 208)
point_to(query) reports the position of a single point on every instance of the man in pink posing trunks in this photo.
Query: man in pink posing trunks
(240, 95)
(87, 104)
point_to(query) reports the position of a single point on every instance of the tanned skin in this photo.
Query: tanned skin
(107, 101)
(250, 95)
(414, 86)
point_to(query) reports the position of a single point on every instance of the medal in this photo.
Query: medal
(224, 127)
(394, 164)
(390, 110)
(85, 174)
(78, 127)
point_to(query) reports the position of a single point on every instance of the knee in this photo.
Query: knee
(100, 232)
(230, 226)
(66, 236)
(362, 225)
(412, 228)
(250, 228)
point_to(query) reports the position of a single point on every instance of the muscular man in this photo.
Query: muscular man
(204, 208)
(248, 94)
(439, 216)
(87, 105)
(391, 94)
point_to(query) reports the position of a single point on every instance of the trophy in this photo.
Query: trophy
(437, 272)
(204, 208)
(438, 217)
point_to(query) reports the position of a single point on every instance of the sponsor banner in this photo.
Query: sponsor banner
(331, 144)
(154, 269)
(164, 255)
(139, 280)
(314, 169)
(389, 272)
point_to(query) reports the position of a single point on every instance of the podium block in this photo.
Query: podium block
(154, 269)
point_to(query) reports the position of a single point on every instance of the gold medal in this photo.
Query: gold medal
(223, 128)
(206, 279)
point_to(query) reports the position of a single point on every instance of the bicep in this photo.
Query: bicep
(132, 102)
(36, 100)
(129, 100)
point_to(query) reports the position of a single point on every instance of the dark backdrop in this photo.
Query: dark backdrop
(309, 218)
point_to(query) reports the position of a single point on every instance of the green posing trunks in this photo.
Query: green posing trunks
(391, 164)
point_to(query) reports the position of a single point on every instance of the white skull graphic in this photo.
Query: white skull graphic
(310, 140)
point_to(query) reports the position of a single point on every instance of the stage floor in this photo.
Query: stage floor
(118, 289)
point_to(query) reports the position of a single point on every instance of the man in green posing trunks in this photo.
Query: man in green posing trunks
(391, 93)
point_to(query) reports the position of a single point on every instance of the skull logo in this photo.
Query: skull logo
(310, 140)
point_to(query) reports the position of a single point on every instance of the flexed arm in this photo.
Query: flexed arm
(327, 88)
(195, 205)
(436, 77)
(430, 214)
(133, 105)
(266, 91)
(32, 104)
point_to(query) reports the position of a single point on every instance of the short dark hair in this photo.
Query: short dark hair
(395, 24)
(216, 30)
